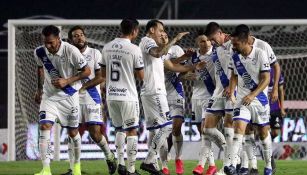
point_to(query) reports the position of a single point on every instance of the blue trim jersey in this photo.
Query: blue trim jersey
(93, 58)
(204, 86)
(173, 84)
(64, 64)
(121, 58)
(154, 79)
(248, 70)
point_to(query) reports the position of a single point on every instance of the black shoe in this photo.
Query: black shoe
(273, 165)
(121, 169)
(135, 173)
(68, 173)
(253, 172)
(230, 170)
(112, 164)
(238, 167)
(150, 168)
(243, 171)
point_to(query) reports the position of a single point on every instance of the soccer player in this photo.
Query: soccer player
(90, 97)
(61, 65)
(175, 99)
(249, 143)
(219, 106)
(203, 89)
(251, 74)
(120, 60)
(153, 94)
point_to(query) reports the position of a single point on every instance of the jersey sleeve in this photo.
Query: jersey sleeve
(78, 59)
(271, 54)
(264, 62)
(138, 60)
(38, 61)
(147, 44)
(98, 58)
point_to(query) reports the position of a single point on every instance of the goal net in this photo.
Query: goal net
(287, 37)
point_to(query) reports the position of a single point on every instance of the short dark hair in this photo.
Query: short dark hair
(211, 28)
(152, 23)
(128, 25)
(73, 29)
(241, 31)
(51, 30)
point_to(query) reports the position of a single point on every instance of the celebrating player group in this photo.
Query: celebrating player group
(236, 80)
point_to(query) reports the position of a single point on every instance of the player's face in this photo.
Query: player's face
(165, 39)
(157, 33)
(203, 42)
(217, 38)
(78, 39)
(135, 33)
(239, 45)
(52, 43)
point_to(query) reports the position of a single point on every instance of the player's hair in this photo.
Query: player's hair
(51, 30)
(128, 25)
(152, 23)
(73, 29)
(242, 32)
(211, 28)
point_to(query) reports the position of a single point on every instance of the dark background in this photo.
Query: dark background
(140, 9)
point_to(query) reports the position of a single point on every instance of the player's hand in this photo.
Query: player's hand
(180, 35)
(232, 98)
(226, 92)
(200, 65)
(274, 95)
(38, 96)
(283, 112)
(189, 52)
(82, 89)
(59, 82)
(248, 99)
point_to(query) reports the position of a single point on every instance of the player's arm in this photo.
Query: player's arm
(40, 82)
(232, 86)
(274, 93)
(157, 52)
(139, 73)
(98, 79)
(281, 93)
(178, 67)
(188, 54)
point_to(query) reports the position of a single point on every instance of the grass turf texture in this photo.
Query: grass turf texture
(285, 167)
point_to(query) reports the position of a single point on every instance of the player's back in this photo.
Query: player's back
(153, 69)
(121, 58)
(263, 45)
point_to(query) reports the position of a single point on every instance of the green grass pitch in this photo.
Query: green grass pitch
(99, 167)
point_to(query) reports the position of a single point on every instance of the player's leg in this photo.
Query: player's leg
(157, 117)
(47, 115)
(275, 124)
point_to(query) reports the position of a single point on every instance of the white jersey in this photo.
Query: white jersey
(173, 84)
(204, 87)
(91, 95)
(221, 58)
(248, 70)
(266, 48)
(121, 59)
(64, 64)
(154, 81)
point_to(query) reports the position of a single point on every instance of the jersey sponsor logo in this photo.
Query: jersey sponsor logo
(130, 122)
(117, 46)
(88, 57)
(115, 91)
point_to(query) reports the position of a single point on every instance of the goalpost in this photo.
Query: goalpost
(287, 37)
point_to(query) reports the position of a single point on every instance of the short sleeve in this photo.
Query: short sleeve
(38, 61)
(78, 59)
(271, 54)
(147, 44)
(138, 59)
(97, 59)
(264, 62)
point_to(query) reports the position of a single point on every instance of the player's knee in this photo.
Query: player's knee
(46, 126)
(176, 131)
(263, 133)
(228, 121)
(72, 132)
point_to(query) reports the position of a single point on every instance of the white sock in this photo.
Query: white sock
(267, 151)
(156, 144)
(70, 151)
(151, 135)
(229, 133)
(178, 142)
(44, 147)
(238, 157)
(250, 146)
(76, 147)
(132, 143)
(211, 158)
(237, 141)
(204, 150)
(120, 147)
(244, 162)
(216, 137)
(104, 146)
(163, 154)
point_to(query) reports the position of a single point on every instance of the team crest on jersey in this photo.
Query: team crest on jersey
(88, 57)
(117, 46)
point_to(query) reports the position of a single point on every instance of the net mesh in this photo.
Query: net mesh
(288, 42)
